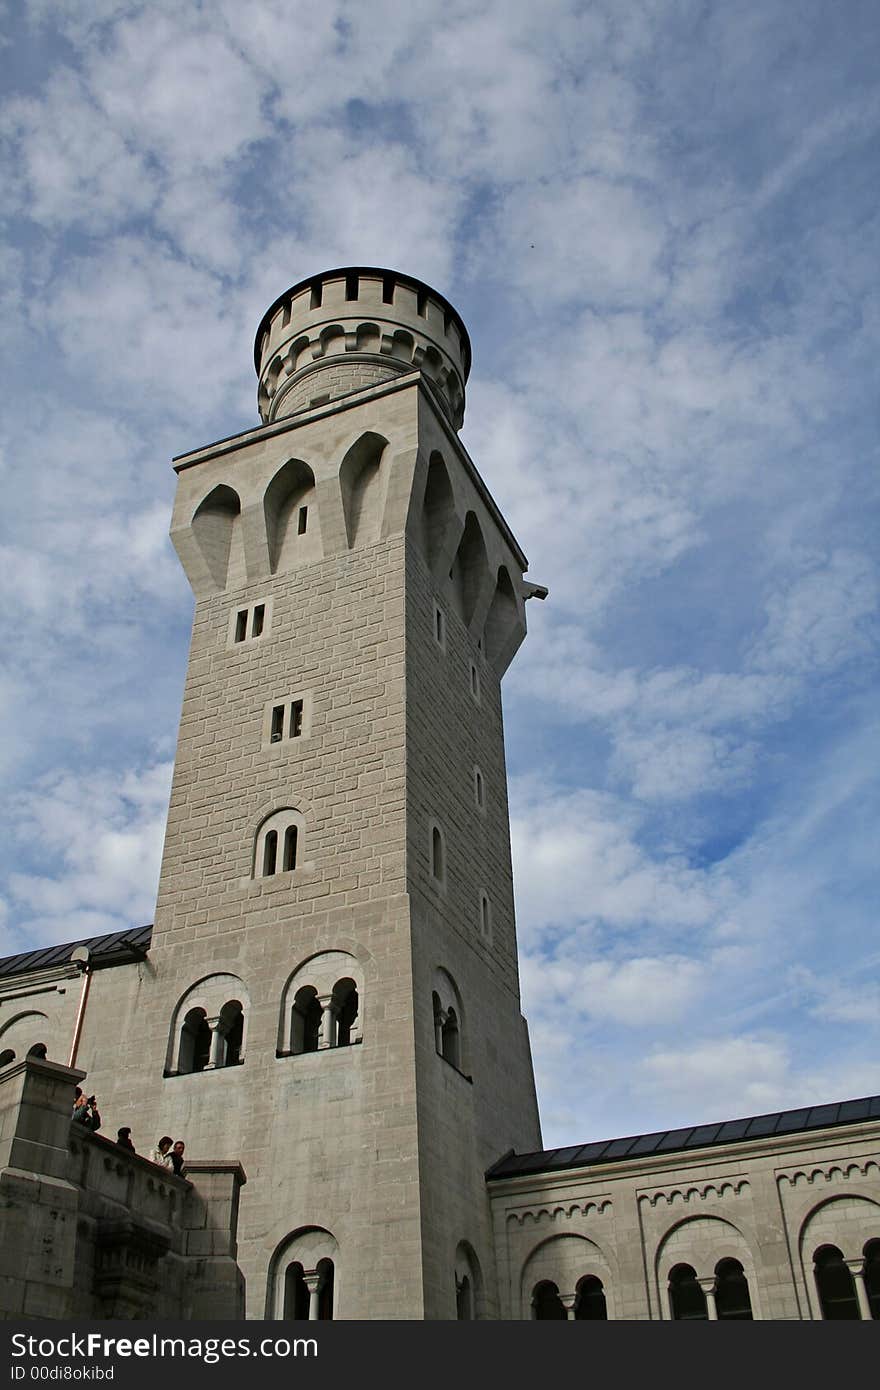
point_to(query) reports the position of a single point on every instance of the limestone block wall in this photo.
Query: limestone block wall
(464, 937)
(769, 1204)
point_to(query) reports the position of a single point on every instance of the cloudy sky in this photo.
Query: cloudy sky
(659, 220)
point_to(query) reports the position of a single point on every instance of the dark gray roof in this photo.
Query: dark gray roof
(117, 948)
(841, 1112)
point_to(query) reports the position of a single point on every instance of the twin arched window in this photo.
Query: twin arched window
(588, 1304)
(278, 847)
(209, 1026)
(698, 1300)
(209, 1043)
(846, 1292)
(447, 1014)
(321, 1006)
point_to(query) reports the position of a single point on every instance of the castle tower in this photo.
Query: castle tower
(332, 995)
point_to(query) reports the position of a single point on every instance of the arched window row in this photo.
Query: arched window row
(848, 1289)
(320, 1008)
(448, 1021)
(585, 1304)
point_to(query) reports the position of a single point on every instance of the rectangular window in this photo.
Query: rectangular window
(316, 295)
(422, 303)
(296, 719)
(351, 286)
(277, 723)
(302, 521)
(285, 717)
(388, 290)
(247, 625)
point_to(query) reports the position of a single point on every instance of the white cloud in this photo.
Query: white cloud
(102, 835)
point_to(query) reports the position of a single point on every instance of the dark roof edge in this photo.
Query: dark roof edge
(112, 948)
(542, 1159)
(411, 280)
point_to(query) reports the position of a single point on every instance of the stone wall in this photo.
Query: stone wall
(89, 1230)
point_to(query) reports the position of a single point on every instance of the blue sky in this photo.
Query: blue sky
(659, 222)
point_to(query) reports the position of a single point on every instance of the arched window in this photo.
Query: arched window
(464, 1299)
(345, 1009)
(38, 1050)
(6, 1056)
(209, 1026)
(195, 1042)
(278, 846)
(230, 1027)
(302, 1277)
(451, 1050)
(837, 1293)
(270, 853)
(589, 1304)
(546, 1304)
(871, 1273)
(325, 1290)
(479, 790)
(438, 855)
(485, 918)
(305, 1029)
(446, 1008)
(732, 1291)
(322, 1005)
(289, 861)
(296, 1294)
(686, 1298)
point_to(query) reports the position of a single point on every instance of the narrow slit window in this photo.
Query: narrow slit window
(479, 794)
(289, 860)
(296, 719)
(302, 521)
(438, 867)
(439, 627)
(485, 916)
(475, 682)
(422, 303)
(270, 853)
(258, 620)
(388, 290)
(351, 286)
(241, 625)
(316, 295)
(277, 723)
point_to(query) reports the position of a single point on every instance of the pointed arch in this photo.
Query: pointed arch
(363, 481)
(216, 526)
(503, 618)
(470, 568)
(438, 509)
(293, 529)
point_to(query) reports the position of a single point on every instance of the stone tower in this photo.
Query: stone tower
(333, 995)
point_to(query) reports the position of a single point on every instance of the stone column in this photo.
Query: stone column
(313, 1282)
(438, 1031)
(568, 1301)
(708, 1287)
(215, 1056)
(329, 1018)
(856, 1269)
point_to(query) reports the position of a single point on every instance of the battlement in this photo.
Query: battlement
(351, 328)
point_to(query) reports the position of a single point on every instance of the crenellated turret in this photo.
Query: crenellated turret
(348, 329)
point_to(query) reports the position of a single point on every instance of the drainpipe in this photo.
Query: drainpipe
(81, 956)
